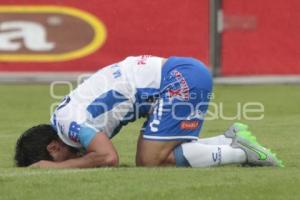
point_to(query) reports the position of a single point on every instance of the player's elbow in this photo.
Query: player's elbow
(112, 160)
(107, 160)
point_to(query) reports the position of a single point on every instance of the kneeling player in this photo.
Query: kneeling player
(172, 93)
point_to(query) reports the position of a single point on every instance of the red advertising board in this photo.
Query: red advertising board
(68, 35)
(261, 37)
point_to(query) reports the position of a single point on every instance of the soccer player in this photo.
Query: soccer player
(172, 93)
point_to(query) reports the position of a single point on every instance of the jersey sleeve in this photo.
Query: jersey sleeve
(72, 129)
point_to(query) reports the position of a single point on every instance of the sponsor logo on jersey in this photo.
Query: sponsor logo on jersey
(178, 88)
(189, 124)
(48, 33)
(74, 131)
(143, 59)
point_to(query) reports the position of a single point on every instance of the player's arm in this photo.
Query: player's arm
(100, 152)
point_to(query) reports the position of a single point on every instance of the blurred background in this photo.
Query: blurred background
(56, 39)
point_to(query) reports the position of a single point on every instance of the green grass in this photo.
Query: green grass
(25, 105)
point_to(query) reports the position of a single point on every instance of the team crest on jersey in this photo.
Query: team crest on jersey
(178, 88)
(74, 131)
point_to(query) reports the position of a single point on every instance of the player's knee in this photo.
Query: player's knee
(144, 162)
(149, 161)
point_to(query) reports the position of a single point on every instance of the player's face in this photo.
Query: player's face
(61, 152)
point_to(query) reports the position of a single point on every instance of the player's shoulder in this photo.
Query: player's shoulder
(73, 131)
(66, 119)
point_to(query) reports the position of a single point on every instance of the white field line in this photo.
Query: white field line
(51, 172)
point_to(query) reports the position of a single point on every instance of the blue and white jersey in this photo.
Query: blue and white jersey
(107, 100)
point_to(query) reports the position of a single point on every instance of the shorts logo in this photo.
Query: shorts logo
(48, 33)
(178, 88)
(189, 125)
(74, 131)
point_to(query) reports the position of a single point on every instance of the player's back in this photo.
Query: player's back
(109, 98)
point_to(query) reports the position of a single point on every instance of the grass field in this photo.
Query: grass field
(25, 105)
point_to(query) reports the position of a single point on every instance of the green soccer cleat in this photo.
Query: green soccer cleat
(233, 131)
(256, 154)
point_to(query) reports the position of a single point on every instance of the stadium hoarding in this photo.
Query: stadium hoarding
(47, 35)
(38, 24)
(68, 36)
(260, 37)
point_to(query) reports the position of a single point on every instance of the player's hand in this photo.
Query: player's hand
(43, 164)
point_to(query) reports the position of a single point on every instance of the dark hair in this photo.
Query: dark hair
(32, 145)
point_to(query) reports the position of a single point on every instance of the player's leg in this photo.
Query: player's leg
(155, 153)
(169, 126)
(243, 149)
(213, 151)
(219, 139)
(188, 154)
(178, 115)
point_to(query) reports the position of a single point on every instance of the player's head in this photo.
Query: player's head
(41, 142)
